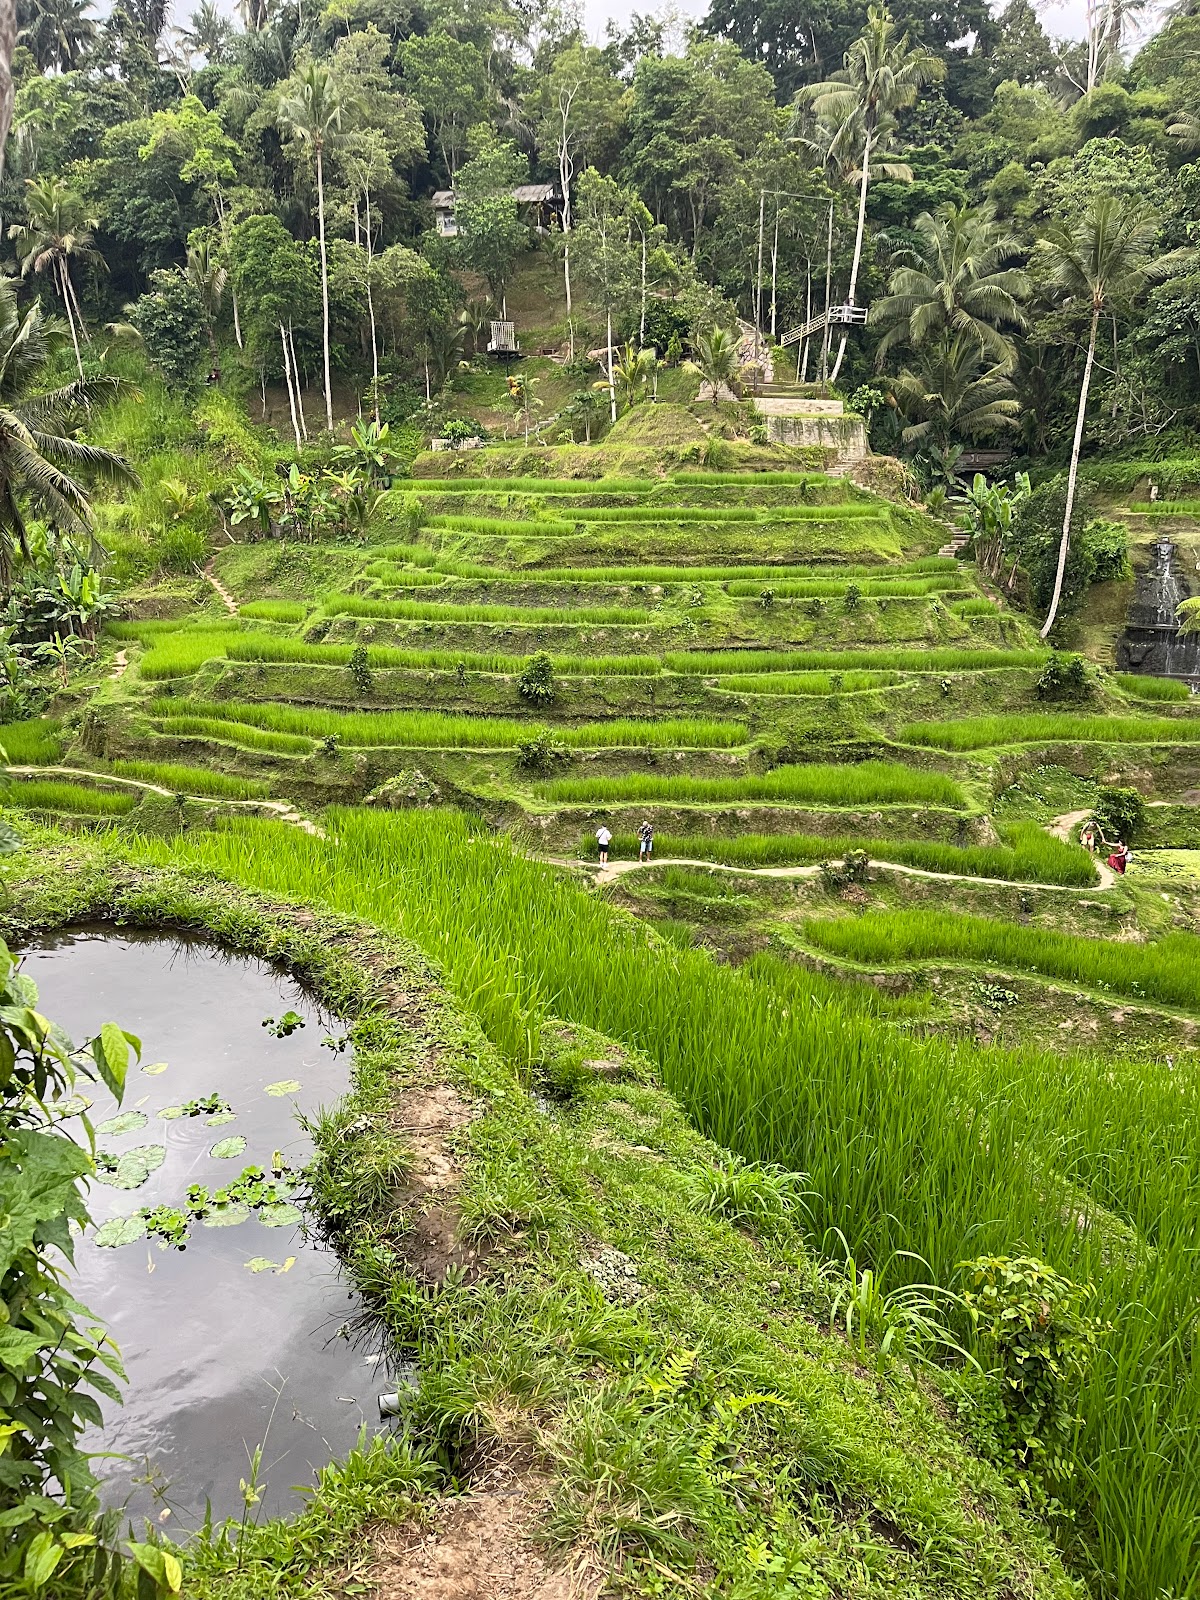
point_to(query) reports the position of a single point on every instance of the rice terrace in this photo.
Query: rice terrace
(599, 782)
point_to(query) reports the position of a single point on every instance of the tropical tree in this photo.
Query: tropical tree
(312, 114)
(58, 232)
(41, 461)
(883, 73)
(951, 395)
(955, 282)
(59, 33)
(632, 373)
(208, 277)
(585, 408)
(1099, 263)
(208, 35)
(715, 358)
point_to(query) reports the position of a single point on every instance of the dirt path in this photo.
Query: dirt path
(120, 664)
(282, 810)
(229, 602)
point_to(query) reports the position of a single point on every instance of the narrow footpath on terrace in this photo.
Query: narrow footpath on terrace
(281, 810)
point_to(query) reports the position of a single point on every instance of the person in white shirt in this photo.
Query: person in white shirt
(603, 839)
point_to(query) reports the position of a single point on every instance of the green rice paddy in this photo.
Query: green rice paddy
(36, 742)
(74, 799)
(867, 783)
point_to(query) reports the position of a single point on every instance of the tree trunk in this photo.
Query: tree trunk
(565, 168)
(1077, 445)
(612, 391)
(642, 322)
(8, 40)
(223, 223)
(287, 378)
(60, 268)
(299, 390)
(371, 314)
(324, 287)
(858, 244)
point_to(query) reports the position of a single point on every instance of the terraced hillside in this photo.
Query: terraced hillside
(865, 779)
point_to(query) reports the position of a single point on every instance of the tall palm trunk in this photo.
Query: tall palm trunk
(612, 388)
(287, 378)
(1077, 445)
(858, 244)
(61, 268)
(371, 315)
(324, 286)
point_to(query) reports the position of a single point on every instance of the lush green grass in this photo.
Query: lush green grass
(52, 794)
(353, 605)
(176, 655)
(535, 486)
(422, 729)
(885, 657)
(182, 779)
(273, 648)
(810, 683)
(36, 742)
(1143, 687)
(454, 566)
(543, 527)
(820, 588)
(1028, 856)
(867, 783)
(238, 733)
(984, 733)
(1168, 970)
(149, 630)
(275, 610)
(756, 479)
(981, 606)
(394, 577)
(922, 1152)
(659, 513)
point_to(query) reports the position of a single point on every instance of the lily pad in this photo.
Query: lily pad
(281, 1215)
(227, 1216)
(127, 1122)
(171, 1113)
(121, 1230)
(73, 1105)
(225, 1149)
(219, 1118)
(134, 1167)
(265, 1264)
(153, 1068)
(284, 1086)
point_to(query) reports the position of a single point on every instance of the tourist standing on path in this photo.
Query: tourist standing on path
(645, 841)
(603, 839)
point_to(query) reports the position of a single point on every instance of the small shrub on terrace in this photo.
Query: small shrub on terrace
(1119, 811)
(359, 670)
(853, 598)
(767, 599)
(542, 752)
(330, 744)
(1064, 677)
(746, 1193)
(1033, 1319)
(855, 868)
(536, 683)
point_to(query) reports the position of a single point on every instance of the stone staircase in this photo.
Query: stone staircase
(954, 546)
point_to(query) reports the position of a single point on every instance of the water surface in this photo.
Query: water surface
(220, 1357)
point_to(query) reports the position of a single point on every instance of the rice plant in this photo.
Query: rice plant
(148, 630)
(353, 605)
(394, 577)
(263, 647)
(429, 730)
(979, 606)
(76, 799)
(923, 1152)
(867, 783)
(275, 610)
(541, 526)
(985, 733)
(186, 726)
(755, 480)
(580, 486)
(178, 654)
(36, 742)
(1167, 970)
(834, 587)
(713, 663)
(1029, 855)
(182, 779)
(1143, 687)
(810, 683)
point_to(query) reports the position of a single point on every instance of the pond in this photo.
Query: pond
(242, 1337)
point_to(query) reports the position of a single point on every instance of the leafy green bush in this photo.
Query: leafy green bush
(542, 752)
(1119, 811)
(1064, 677)
(536, 683)
(1108, 543)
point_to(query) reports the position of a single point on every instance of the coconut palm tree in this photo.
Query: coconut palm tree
(955, 282)
(1100, 261)
(312, 114)
(883, 74)
(208, 277)
(715, 358)
(41, 460)
(57, 233)
(632, 372)
(59, 33)
(208, 35)
(952, 395)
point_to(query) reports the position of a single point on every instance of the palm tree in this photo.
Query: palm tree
(57, 233)
(586, 407)
(208, 277)
(313, 116)
(952, 395)
(632, 373)
(41, 460)
(882, 74)
(955, 282)
(208, 35)
(715, 358)
(1101, 261)
(59, 33)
